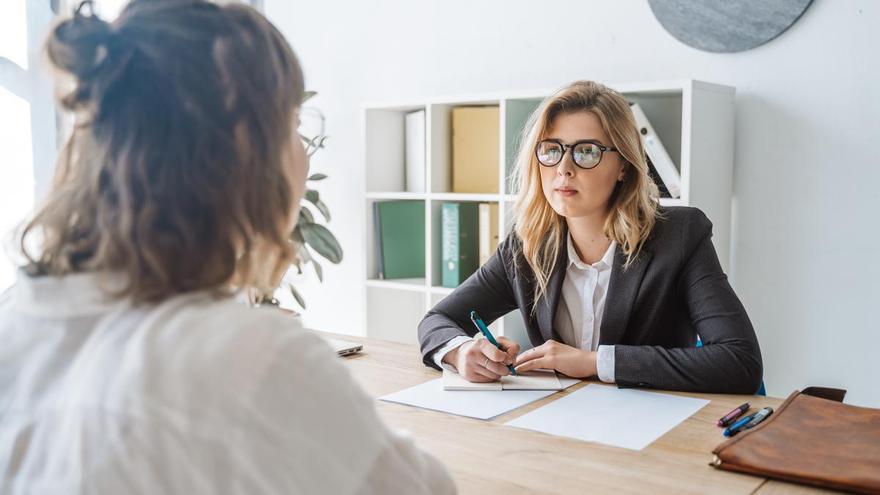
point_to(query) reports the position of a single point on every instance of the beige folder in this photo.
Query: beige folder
(475, 149)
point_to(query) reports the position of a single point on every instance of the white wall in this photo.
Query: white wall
(807, 175)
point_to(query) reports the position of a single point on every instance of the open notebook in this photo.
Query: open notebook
(530, 380)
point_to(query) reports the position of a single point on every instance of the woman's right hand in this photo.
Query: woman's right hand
(480, 361)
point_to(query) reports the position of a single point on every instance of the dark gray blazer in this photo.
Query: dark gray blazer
(674, 291)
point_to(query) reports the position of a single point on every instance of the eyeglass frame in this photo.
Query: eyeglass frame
(566, 147)
(312, 145)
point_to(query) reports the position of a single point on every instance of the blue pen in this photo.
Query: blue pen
(486, 333)
(734, 428)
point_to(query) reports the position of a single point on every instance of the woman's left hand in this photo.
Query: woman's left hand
(553, 355)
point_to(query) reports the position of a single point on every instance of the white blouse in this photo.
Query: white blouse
(579, 312)
(197, 394)
(578, 317)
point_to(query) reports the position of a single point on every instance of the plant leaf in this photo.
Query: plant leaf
(322, 241)
(317, 177)
(313, 197)
(319, 270)
(306, 215)
(324, 210)
(298, 297)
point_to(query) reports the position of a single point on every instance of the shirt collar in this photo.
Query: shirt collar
(64, 296)
(606, 262)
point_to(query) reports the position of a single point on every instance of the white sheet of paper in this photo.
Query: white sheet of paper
(531, 380)
(473, 404)
(625, 418)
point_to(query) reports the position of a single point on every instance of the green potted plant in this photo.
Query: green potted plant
(310, 236)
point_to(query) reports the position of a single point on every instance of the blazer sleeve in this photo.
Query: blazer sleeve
(489, 291)
(729, 360)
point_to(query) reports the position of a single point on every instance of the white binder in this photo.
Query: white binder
(657, 153)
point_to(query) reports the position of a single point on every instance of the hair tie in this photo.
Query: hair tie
(107, 42)
(78, 10)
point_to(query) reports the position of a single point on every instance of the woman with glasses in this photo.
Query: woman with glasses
(608, 283)
(127, 366)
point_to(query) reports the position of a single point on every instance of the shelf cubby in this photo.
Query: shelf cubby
(436, 252)
(400, 315)
(515, 113)
(384, 148)
(440, 144)
(372, 243)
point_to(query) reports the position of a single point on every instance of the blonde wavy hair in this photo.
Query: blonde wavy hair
(176, 174)
(634, 202)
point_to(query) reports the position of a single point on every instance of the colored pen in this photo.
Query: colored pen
(758, 417)
(486, 333)
(732, 415)
(734, 428)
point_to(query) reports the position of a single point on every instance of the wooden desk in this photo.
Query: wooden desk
(487, 457)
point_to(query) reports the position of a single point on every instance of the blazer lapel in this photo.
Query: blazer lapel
(546, 310)
(622, 290)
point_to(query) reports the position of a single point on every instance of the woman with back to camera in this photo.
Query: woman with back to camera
(609, 283)
(126, 365)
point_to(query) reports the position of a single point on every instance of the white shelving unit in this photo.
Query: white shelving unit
(694, 119)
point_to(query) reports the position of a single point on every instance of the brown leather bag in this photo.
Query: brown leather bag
(814, 439)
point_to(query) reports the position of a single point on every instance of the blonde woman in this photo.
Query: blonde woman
(126, 365)
(608, 283)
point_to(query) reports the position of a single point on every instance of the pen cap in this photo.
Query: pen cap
(761, 415)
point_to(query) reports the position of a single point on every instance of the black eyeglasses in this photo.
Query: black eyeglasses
(586, 154)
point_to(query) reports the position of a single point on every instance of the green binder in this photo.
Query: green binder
(460, 241)
(400, 235)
